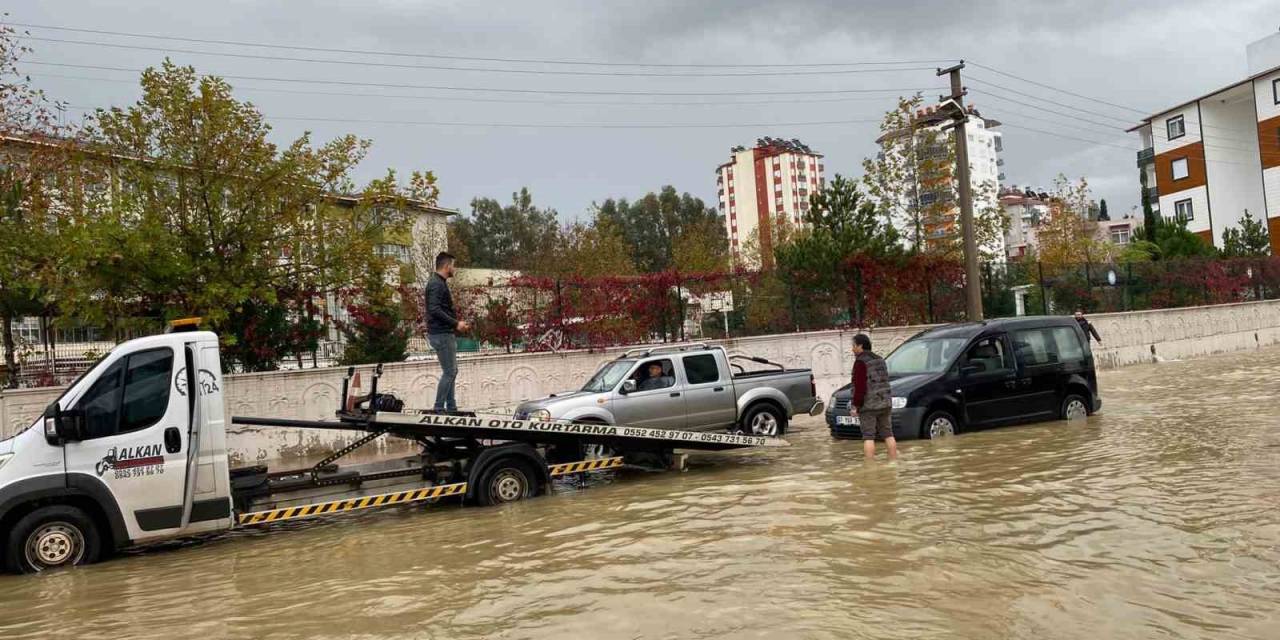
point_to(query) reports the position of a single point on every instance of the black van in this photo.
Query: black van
(971, 375)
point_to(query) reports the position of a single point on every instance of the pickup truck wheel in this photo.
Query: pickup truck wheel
(764, 420)
(52, 537)
(507, 481)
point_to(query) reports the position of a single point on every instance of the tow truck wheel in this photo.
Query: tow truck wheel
(51, 537)
(507, 481)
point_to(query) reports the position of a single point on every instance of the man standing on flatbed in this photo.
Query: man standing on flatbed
(442, 325)
(872, 399)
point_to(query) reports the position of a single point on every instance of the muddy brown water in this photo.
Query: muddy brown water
(1159, 517)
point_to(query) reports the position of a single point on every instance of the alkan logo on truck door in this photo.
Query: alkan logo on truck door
(132, 462)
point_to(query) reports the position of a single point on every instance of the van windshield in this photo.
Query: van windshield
(924, 355)
(608, 376)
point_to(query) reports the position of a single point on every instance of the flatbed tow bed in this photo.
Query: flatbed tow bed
(135, 452)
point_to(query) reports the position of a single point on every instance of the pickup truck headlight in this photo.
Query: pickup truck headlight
(4, 458)
(540, 415)
(899, 402)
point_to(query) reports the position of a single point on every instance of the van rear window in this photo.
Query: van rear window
(1068, 341)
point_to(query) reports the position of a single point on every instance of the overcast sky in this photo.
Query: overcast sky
(1138, 55)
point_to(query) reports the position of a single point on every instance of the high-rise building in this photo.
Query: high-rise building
(771, 181)
(934, 206)
(1210, 159)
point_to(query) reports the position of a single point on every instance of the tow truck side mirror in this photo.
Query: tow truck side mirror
(628, 386)
(63, 426)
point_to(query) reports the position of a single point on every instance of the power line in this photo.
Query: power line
(437, 56)
(556, 126)
(1042, 99)
(603, 103)
(424, 67)
(508, 90)
(1053, 88)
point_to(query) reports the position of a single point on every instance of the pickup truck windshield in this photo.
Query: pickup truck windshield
(608, 376)
(924, 355)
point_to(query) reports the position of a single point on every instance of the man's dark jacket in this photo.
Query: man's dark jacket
(1089, 331)
(441, 318)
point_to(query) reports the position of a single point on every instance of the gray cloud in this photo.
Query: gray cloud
(1127, 53)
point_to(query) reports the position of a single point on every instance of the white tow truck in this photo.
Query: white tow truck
(135, 452)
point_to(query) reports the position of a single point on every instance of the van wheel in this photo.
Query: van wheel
(52, 537)
(1074, 408)
(939, 424)
(764, 420)
(507, 481)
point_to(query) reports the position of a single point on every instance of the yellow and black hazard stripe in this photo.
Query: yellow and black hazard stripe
(351, 504)
(584, 465)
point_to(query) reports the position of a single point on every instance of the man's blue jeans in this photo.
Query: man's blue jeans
(446, 347)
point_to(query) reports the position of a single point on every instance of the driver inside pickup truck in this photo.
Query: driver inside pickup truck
(656, 378)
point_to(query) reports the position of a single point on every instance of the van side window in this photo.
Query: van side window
(701, 369)
(1034, 347)
(1069, 348)
(989, 354)
(132, 394)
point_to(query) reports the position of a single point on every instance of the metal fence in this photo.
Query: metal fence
(547, 314)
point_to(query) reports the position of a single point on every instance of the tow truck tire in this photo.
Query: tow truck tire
(509, 480)
(52, 537)
(764, 419)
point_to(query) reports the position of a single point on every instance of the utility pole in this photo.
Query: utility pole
(972, 277)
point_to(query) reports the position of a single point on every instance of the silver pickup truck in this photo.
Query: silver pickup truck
(690, 387)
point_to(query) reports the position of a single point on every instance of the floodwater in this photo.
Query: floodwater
(1159, 517)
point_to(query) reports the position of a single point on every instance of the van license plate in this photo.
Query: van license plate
(848, 420)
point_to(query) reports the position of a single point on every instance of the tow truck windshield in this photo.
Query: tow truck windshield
(924, 355)
(608, 376)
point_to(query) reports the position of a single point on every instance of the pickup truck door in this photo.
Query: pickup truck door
(708, 393)
(655, 403)
(137, 425)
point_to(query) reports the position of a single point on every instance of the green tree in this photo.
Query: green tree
(653, 225)
(1149, 218)
(380, 323)
(213, 218)
(1250, 239)
(44, 187)
(701, 248)
(503, 237)
(1176, 241)
(841, 223)
(1102, 210)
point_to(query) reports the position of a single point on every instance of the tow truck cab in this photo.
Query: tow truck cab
(134, 451)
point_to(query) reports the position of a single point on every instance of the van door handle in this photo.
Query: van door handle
(172, 440)
(675, 394)
(1011, 384)
(718, 389)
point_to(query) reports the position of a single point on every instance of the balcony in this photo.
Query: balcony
(1145, 156)
(1153, 195)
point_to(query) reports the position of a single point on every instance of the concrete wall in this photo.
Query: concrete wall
(499, 382)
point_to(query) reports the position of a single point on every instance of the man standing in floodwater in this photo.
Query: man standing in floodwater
(872, 401)
(442, 323)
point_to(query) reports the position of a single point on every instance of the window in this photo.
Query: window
(1275, 90)
(1176, 127)
(1120, 236)
(988, 354)
(1068, 343)
(1182, 209)
(653, 375)
(110, 410)
(1034, 347)
(1179, 168)
(701, 369)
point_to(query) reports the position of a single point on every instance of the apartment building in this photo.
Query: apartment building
(1023, 210)
(1211, 158)
(771, 181)
(940, 212)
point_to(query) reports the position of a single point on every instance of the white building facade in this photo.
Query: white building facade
(1211, 159)
(769, 182)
